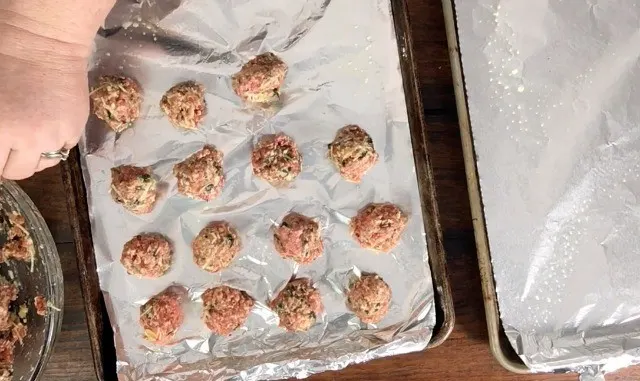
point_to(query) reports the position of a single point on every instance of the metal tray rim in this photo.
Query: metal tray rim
(500, 347)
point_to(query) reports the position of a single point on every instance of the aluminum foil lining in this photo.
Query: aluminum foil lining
(343, 69)
(553, 90)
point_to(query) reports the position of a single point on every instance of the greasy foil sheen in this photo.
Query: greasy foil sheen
(343, 68)
(553, 98)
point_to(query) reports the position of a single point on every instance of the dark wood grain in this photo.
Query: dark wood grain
(465, 355)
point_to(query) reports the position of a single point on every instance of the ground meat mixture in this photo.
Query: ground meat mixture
(8, 340)
(276, 159)
(260, 79)
(298, 238)
(40, 303)
(147, 255)
(216, 246)
(117, 101)
(8, 294)
(225, 309)
(134, 188)
(369, 298)
(378, 226)
(200, 176)
(161, 317)
(352, 152)
(298, 305)
(184, 105)
(19, 244)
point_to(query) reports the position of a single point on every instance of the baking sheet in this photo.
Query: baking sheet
(551, 98)
(330, 84)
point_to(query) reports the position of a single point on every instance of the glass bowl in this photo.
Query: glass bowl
(46, 279)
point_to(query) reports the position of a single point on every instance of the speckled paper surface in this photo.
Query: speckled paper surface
(553, 92)
(343, 68)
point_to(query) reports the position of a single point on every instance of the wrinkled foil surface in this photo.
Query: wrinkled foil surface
(553, 91)
(343, 69)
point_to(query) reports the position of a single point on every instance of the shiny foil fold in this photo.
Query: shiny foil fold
(553, 92)
(343, 69)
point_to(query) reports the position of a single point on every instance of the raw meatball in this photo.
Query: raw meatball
(260, 79)
(378, 226)
(225, 309)
(298, 238)
(147, 255)
(352, 152)
(117, 101)
(215, 246)
(200, 176)
(276, 159)
(134, 188)
(19, 244)
(184, 105)
(298, 305)
(161, 317)
(369, 298)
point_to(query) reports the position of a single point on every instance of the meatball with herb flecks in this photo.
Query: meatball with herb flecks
(298, 238)
(378, 226)
(225, 309)
(298, 305)
(134, 188)
(369, 298)
(184, 105)
(161, 317)
(216, 246)
(147, 255)
(276, 159)
(260, 79)
(117, 101)
(201, 176)
(352, 153)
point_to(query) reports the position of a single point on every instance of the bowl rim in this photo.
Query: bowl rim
(48, 254)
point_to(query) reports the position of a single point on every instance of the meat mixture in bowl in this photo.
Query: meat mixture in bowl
(298, 238)
(19, 244)
(352, 153)
(378, 226)
(276, 159)
(225, 309)
(184, 105)
(134, 188)
(369, 298)
(12, 328)
(200, 176)
(260, 79)
(147, 255)
(215, 247)
(298, 305)
(161, 317)
(117, 101)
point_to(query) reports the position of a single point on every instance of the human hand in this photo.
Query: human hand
(44, 96)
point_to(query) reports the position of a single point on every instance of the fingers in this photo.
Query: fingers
(20, 164)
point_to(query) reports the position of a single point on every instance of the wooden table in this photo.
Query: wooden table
(465, 355)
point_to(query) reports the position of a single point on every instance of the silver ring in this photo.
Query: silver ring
(62, 154)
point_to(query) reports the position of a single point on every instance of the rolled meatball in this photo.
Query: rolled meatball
(117, 101)
(225, 309)
(200, 176)
(276, 159)
(298, 238)
(147, 255)
(352, 153)
(369, 298)
(161, 317)
(298, 305)
(184, 105)
(216, 246)
(260, 79)
(378, 226)
(134, 188)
